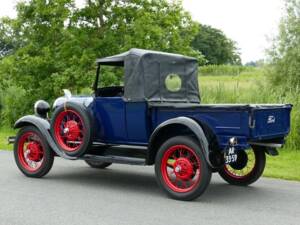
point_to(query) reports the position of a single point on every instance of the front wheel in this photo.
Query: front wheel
(181, 169)
(247, 169)
(32, 153)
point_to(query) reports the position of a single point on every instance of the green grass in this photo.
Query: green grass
(218, 70)
(234, 89)
(285, 166)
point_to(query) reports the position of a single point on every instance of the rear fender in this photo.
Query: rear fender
(192, 125)
(44, 126)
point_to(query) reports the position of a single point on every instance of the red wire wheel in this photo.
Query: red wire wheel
(181, 168)
(71, 129)
(247, 169)
(30, 151)
(32, 154)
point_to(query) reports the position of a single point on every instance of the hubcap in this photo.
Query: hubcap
(72, 130)
(183, 168)
(34, 152)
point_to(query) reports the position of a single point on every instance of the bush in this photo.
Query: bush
(14, 104)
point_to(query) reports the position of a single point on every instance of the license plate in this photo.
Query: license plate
(230, 156)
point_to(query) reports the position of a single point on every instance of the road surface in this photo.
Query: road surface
(72, 193)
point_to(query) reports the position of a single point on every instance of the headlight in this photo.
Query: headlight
(41, 108)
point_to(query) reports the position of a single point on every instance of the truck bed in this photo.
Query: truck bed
(247, 122)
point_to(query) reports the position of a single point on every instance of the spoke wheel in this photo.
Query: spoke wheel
(32, 153)
(72, 129)
(247, 169)
(69, 130)
(181, 169)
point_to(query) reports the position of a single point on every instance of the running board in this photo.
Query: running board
(115, 159)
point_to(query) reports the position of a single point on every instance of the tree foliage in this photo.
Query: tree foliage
(216, 47)
(7, 40)
(52, 45)
(285, 54)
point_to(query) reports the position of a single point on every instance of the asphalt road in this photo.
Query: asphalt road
(72, 193)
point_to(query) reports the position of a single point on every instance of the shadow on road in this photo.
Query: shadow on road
(115, 179)
(144, 182)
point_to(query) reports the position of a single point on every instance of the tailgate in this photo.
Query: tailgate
(270, 121)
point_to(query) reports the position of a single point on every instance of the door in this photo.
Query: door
(110, 119)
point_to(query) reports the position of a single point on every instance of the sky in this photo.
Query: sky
(251, 23)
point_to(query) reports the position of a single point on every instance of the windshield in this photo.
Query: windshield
(111, 76)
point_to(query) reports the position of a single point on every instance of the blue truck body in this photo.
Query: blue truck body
(121, 122)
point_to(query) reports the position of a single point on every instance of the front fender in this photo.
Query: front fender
(193, 126)
(44, 126)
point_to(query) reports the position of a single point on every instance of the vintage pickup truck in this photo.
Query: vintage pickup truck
(155, 118)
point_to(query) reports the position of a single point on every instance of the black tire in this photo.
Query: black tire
(35, 137)
(97, 164)
(195, 158)
(252, 175)
(83, 123)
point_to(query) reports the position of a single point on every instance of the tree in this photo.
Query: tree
(216, 47)
(61, 42)
(55, 44)
(285, 53)
(7, 40)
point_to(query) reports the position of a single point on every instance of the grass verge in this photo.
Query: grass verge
(285, 166)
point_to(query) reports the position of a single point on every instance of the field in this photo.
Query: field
(247, 86)
(240, 88)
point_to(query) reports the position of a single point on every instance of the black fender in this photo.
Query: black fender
(189, 123)
(44, 127)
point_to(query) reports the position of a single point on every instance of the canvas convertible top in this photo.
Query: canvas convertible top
(146, 72)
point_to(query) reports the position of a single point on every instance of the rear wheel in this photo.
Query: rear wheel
(181, 169)
(97, 164)
(32, 153)
(71, 129)
(247, 169)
